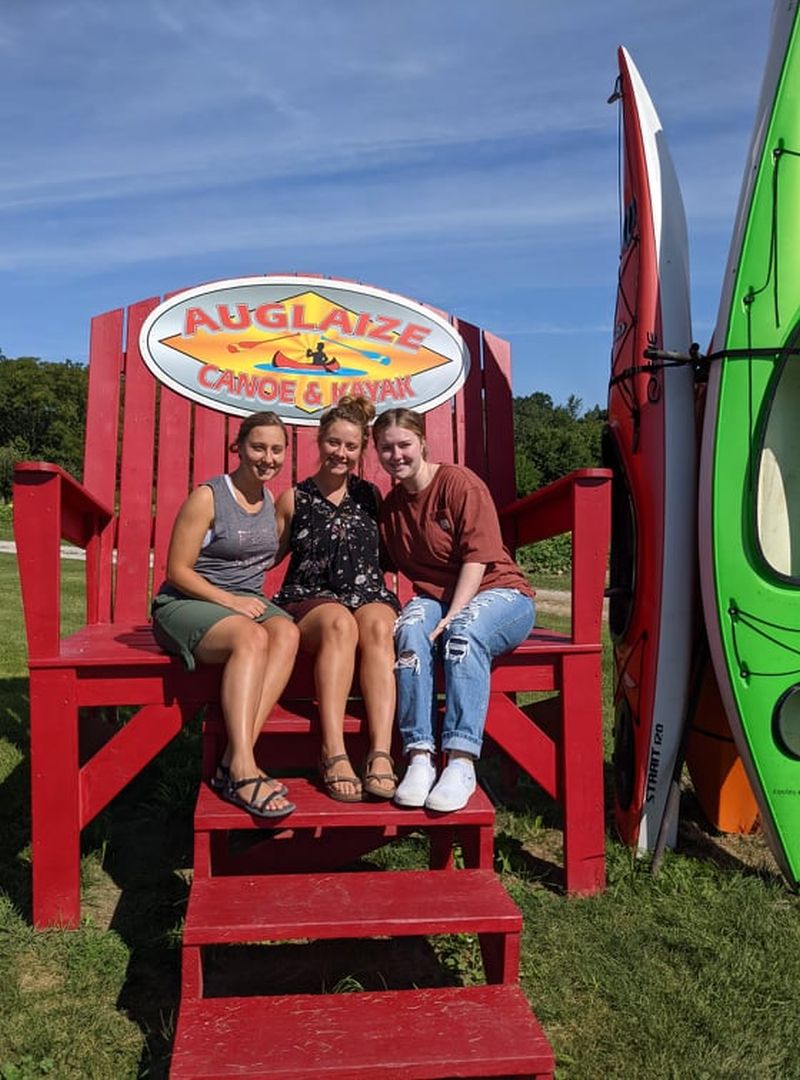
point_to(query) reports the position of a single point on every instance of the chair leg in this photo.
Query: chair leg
(582, 773)
(55, 800)
(500, 954)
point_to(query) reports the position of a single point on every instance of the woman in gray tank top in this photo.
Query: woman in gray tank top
(211, 608)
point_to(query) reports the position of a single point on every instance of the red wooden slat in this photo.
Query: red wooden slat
(307, 452)
(102, 406)
(231, 457)
(210, 451)
(523, 741)
(371, 904)
(116, 764)
(136, 477)
(172, 475)
(439, 433)
(100, 447)
(372, 470)
(500, 418)
(470, 420)
(476, 1031)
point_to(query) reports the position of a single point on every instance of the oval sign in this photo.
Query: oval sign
(297, 345)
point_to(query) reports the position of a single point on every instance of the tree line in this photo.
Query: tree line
(43, 414)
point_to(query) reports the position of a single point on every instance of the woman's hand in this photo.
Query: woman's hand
(438, 629)
(469, 580)
(250, 606)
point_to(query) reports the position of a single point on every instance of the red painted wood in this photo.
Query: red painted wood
(306, 453)
(589, 558)
(100, 450)
(136, 478)
(316, 810)
(582, 777)
(49, 504)
(102, 405)
(477, 847)
(231, 457)
(475, 1031)
(302, 851)
(110, 663)
(37, 526)
(439, 433)
(499, 446)
(210, 451)
(172, 472)
(470, 424)
(355, 905)
(55, 806)
(116, 764)
(191, 973)
(500, 953)
(551, 510)
(516, 733)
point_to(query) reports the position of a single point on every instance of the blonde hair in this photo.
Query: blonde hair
(354, 410)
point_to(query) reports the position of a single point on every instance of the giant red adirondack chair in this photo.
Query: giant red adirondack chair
(146, 446)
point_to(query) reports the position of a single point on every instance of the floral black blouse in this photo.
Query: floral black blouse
(335, 548)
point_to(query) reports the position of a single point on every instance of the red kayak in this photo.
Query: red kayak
(280, 360)
(650, 445)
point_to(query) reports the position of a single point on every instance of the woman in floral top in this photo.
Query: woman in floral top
(334, 588)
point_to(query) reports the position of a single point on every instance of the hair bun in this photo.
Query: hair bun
(358, 404)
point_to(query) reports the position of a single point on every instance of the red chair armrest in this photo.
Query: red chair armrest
(579, 503)
(51, 506)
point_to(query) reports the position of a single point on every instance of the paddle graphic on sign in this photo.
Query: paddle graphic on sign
(298, 345)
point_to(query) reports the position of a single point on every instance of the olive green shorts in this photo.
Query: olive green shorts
(180, 623)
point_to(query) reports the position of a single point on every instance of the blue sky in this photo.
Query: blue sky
(460, 152)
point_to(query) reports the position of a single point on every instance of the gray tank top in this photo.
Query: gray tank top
(242, 546)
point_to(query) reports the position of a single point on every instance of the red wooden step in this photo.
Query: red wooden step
(315, 809)
(278, 907)
(477, 1031)
(297, 717)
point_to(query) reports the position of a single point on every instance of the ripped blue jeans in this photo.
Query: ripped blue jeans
(493, 622)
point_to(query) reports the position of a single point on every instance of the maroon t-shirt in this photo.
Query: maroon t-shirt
(429, 534)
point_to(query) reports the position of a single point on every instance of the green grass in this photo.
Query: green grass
(693, 973)
(6, 527)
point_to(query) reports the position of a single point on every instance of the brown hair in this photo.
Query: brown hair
(355, 410)
(404, 418)
(259, 419)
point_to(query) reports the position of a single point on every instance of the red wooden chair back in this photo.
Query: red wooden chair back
(147, 447)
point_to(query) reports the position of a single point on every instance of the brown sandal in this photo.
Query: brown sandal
(330, 782)
(375, 782)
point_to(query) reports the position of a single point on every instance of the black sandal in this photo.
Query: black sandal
(258, 807)
(218, 782)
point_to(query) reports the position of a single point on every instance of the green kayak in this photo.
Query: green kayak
(750, 466)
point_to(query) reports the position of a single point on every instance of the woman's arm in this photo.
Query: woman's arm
(284, 512)
(468, 583)
(194, 519)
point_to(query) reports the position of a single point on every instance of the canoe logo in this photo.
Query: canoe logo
(297, 345)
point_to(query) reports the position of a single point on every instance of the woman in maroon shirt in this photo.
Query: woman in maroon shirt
(471, 603)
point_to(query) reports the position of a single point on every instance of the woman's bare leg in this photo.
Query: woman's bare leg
(376, 675)
(283, 639)
(329, 633)
(241, 645)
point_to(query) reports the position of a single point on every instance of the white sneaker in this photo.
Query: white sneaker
(418, 781)
(455, 786)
